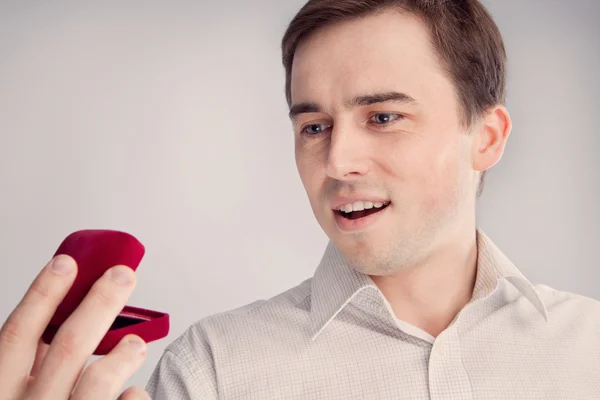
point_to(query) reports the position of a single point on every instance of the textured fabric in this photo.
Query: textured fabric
(334, 337)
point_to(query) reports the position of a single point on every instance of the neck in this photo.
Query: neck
(430, 295)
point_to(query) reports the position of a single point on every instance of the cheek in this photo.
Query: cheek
(311, 170)
(415, 161)
(427, 170)
(312, 174)
(446, 177)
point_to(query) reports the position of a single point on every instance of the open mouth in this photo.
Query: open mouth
(358, 210)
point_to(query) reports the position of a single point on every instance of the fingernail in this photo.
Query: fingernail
(63, 265)
(137, 344)
(121, 274)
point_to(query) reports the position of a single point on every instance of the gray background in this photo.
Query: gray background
(168, 120)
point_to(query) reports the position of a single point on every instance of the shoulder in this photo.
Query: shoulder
(556, 298)
(570, 308)
(188, 366)
(252, 322)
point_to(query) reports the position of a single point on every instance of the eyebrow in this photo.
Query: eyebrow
(358, 101)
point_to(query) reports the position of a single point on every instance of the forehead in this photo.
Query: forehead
(386, 51)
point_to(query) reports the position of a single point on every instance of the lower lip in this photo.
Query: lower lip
(356, 225)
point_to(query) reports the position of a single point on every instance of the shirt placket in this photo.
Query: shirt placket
(448, 378)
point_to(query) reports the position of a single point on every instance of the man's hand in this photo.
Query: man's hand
(30, 369)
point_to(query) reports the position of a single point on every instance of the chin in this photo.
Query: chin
(359, 250)
(373, 255)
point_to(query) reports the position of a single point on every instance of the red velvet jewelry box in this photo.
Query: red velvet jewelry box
(95, 251)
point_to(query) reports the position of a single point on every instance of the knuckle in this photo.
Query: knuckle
(40, 290)
(98, 375)
(109, 372)
(106, 297)
(127, 354)
(67, 346)
(10, 333)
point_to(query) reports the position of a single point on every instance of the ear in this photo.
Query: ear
(490, 138)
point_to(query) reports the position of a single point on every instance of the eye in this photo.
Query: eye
(385, 118)
(314, 129)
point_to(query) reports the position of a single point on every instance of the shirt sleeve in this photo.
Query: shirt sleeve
(183, 377)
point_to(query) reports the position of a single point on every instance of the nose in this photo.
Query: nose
(348, 154)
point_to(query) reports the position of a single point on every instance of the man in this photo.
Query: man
(397, 111)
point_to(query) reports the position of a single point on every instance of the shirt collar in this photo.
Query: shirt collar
(335, 283)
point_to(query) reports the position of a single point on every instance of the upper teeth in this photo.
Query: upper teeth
(361, 205)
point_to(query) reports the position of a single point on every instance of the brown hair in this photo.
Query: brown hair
(463, 33)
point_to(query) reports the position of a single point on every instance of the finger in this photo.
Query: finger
(22, 330)
(134, 393)
(104, 378)
(81, 333)
(40, 355)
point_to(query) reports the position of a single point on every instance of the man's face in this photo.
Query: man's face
(377, 126)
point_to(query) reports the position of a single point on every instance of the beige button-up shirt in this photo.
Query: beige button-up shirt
(334, 337)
